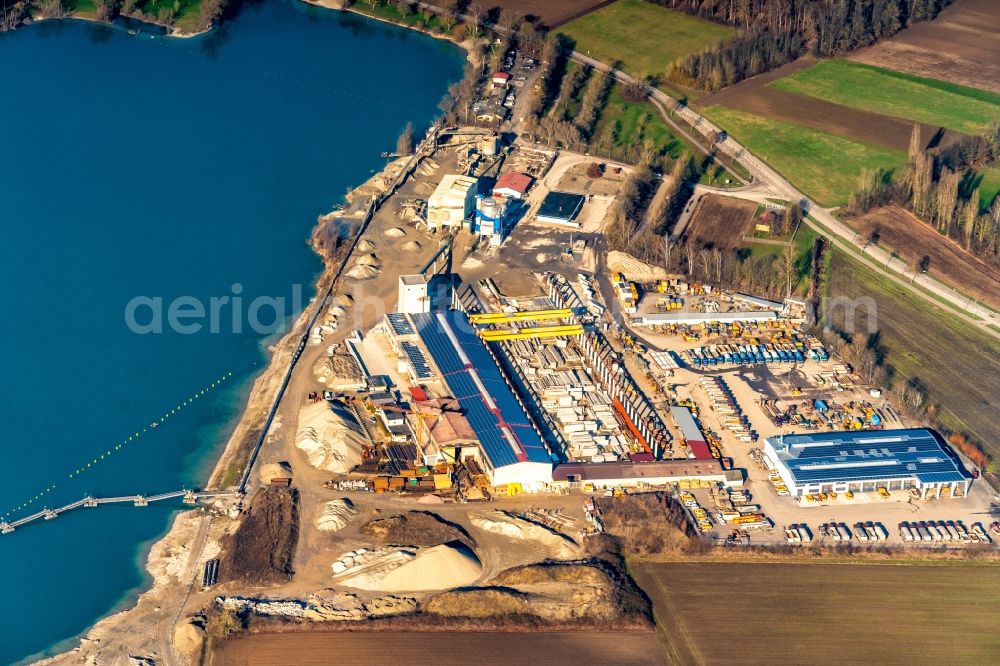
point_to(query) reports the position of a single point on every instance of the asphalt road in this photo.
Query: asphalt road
(821, 220)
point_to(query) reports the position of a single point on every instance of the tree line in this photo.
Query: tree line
(940, 187)
(16, 13)
(776, 32)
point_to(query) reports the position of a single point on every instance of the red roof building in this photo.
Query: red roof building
(500, 78)
(511, 184)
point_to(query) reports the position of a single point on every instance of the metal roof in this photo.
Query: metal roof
(504, 430)
(560, 206)
(840, 457)
(660, 469)
(686, 423)
(701, 317)
(692, 434)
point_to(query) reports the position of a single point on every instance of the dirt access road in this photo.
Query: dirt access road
(882, 261)
(822, 220)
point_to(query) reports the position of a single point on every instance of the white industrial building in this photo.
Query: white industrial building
(452, 202)
(864, 461)
(413, 295)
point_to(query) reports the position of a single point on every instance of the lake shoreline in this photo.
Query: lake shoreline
(141, 620)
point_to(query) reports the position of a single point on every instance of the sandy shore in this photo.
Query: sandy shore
(147, 629)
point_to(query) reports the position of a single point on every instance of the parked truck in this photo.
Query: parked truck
(870, 529)
(905, 533)
(845, 534)
(860, 533)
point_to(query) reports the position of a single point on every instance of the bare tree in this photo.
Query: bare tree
(52, 9)
(404, 144)
(509, 20)
(474, 17)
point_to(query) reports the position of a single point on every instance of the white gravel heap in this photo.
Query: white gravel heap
(334, 515)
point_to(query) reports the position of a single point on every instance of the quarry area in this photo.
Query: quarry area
(490, 412)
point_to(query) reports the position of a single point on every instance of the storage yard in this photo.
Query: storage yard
(539, 399)
(503, 374)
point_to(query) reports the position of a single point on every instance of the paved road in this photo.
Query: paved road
(820, 219)
(824, 222)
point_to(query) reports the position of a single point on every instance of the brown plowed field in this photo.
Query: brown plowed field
(912, 239)
(788, 612)
(753, 96)
(552, 13)
(450, 648)
(961, 45)
(721, 222)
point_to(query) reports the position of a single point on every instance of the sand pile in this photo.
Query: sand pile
(389, 569)
(188, 638)
(368, 260)
(334, 515)
(338, 370)
(512, 527)
(363, 272)
(634, 269)
(411, 246)
(365, 245)
(394, 232)
(275, 470)
(330, 437)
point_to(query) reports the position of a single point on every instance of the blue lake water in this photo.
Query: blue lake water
(162, 168)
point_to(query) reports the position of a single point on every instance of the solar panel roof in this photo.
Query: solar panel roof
(400, 324)
(417, 360)
(839, 457)
(461, 375)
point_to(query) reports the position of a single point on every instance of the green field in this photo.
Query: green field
(988, 182)
(797, 612)
(625, 123)
(894, 94)
(81, 8)
(823, 165)
(959, 365)
(644, 38)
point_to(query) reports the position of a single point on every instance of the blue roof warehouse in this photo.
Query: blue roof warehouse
(511, 448)
(866, 461)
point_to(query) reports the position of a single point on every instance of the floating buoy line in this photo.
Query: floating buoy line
(132, 438)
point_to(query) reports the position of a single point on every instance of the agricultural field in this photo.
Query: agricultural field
(890, 93)
(759, 97)
(825, 166)
(785, 611)
(962, 45)
(644, 38)
(445, 648)
(721, 222)
(958, 365)
(912, 239)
